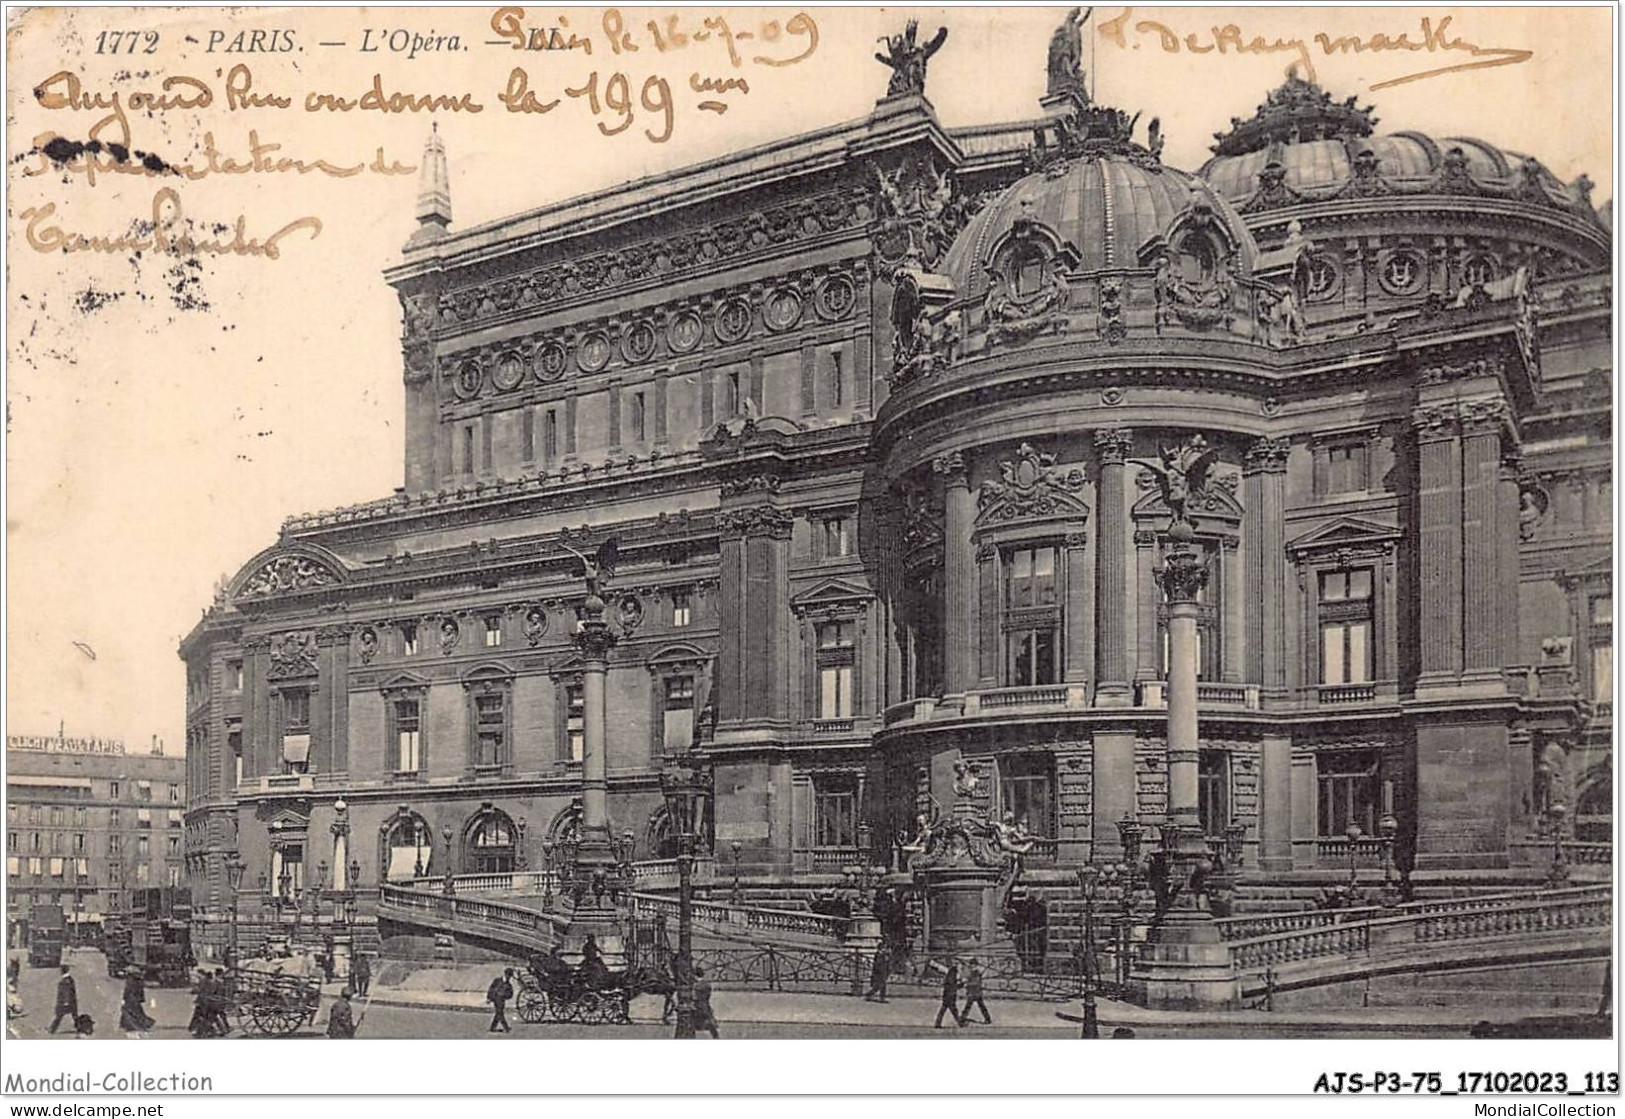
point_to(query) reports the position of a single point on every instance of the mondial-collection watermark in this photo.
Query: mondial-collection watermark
(84, 1083)
(1543, 1110)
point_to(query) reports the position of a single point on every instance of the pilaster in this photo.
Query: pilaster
(960, 590)
(1264, 537)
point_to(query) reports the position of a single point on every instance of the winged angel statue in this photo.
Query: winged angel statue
(1181, 473)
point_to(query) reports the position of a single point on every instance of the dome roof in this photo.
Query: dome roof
(1107, 198)
(1301, 147)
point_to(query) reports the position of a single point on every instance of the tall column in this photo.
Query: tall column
(1439, 540)
(1482, 421)
(594, 640)
(1264, 531)
(960, 591)
(1235, 629)
(1275, 803)
(1507, 535)
(1112, 446)
(1184, 574)
(1077, 610)
(1146, 597)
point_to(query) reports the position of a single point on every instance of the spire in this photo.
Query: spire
(434, 191)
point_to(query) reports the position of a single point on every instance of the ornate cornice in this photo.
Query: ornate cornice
(750, 483)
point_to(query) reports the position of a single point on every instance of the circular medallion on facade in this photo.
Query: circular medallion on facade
(509, 372)
(468, 380)
(684, 332)
(733, 320)
(535, 625)
(783, 309)
(638, 343)
(592, 354)
(1320, 278)
(1402, 273)
(550, 361)
(835, 297)
(629, 612)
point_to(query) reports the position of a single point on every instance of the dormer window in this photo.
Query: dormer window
(1195, 261)
(1029, 271)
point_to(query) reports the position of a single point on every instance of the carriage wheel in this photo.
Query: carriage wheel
(570, 1010)
(533, 1005)
(620, 1008)
(276, 1021)
(592, 1008)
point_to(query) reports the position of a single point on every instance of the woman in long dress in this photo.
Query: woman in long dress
(133, 1016)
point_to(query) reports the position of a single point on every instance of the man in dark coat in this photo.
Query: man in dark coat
(973, 995)
(879, 973)
(950, 995)
(341, 1022)
(498, 994)
(202, 1023)
(361, 973)
(67, 1001)
(704, 1017)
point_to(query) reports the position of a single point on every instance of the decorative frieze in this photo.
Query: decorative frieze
(293, 655)
(1030, 485)
(282, 574)
(756, 520)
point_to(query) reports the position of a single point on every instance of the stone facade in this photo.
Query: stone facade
(871, 433)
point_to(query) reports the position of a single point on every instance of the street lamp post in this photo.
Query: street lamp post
(519, 849)
(1130, 832)
(1088, 882)
(1354, 834)
(353, 882)
(1558, 875)
(234, 878)
(1388, 828)
(682, 789)
(547, 874)
(738, 849)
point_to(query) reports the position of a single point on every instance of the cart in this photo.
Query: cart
(269, 1003)
(567, 997)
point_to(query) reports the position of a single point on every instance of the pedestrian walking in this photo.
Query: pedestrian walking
(14, 971)
(973, 995)
(202, 1023)
(361, 974)
(950, 995)
(218, 1003)
(879, 973)
(341, 1022)
(67, 1001)
(498, 994)
(133, 1017)
(704, 1017)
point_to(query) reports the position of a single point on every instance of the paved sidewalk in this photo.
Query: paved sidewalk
(464, 989)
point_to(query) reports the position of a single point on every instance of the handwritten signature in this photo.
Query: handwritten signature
(1433, 37)
(167, 233)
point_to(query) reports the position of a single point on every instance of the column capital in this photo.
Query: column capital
(756, 520)
(1435, 422)
(1485, 415)
(1183, 575)
(1076, 539)
(951, 467)
(1266, 455)
(594, 640)
(1112, 445)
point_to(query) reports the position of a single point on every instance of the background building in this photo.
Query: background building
(871, 414)
(86, 821)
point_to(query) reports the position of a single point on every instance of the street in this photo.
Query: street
(756, 1015)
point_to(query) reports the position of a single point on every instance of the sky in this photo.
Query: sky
(165, 412)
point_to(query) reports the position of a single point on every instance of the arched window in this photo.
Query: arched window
(488, 844)
(1196, 261)
(1028, 268)
(408, 848)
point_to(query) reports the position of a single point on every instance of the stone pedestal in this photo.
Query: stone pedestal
(962, 908)
(863, 933)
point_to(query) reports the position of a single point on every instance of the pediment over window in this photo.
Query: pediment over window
(487, 674)
(286, 823)
(1598, 572)
(680, 655)
(1355, 534)
(1031, 487)
(403, 683)
(830, 594)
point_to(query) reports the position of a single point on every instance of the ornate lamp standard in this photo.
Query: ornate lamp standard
(234, 878)
(738, 849)
(682, 787)
(519, 848)
(1088, 882)
(1558, 875)
(1131, 833)
(547, 874)
(1388, 828)
(1354, 834)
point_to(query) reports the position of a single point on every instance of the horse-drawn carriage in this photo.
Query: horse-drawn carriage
(571, 997)
(268, 1002)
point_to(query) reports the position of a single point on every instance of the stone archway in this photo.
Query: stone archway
(490, 842)
(405, 846)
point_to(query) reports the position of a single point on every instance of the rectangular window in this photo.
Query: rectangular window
(409, 639)
(1349, 791)
(835, 812)
(837, 537)
(115, 845)
(34, 842)
(143, 873)
(56, 815)
(837, 381)
(1346, 621)
(175, 876)
(408, 737)
(1601, 639)
(1345, 469)
(637, 417)
(173, 846)
(234, 743)
(115, 872)
(143, 791)
(113, 790)
(234, 675)
(1027, 794)
(80, 815)
(143, 817)
(1029, 577)
(1032, 617)
(36, 867)
(550, 435)
(527, 434)
(143, 847)
(680, 609)
(175, 819)
(575, 721)
(174, 794)
(490, 724)
(78, 844)
(13, 866)
(296, 712)
(11, 841)
(468, 449)
(56, 868)
(1213, 791)
(837, 656)
(493, 631)
(678, 730)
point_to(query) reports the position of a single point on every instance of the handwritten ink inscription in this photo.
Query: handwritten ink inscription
(1432, 36)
